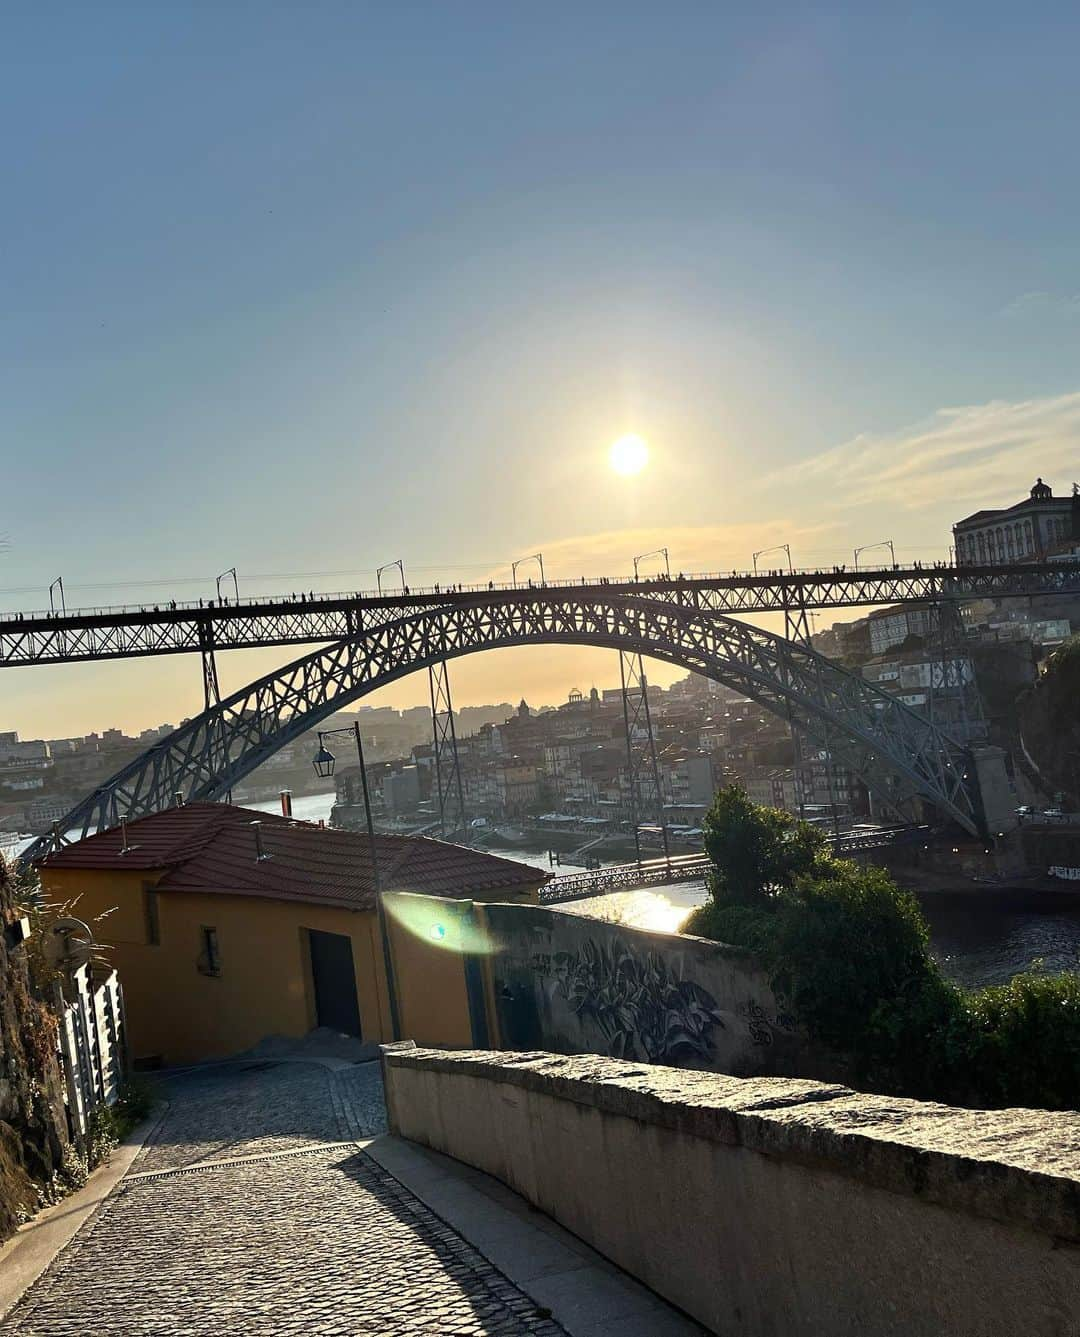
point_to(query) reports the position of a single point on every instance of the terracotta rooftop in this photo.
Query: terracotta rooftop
(210, 847)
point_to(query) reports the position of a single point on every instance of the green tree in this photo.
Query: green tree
(756, 850)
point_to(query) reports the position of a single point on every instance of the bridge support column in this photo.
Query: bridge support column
(646, 792)
(798, 627)
(211, 686)
(995, 789)
(449, 791)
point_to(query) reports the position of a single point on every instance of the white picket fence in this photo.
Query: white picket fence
(93, 1047)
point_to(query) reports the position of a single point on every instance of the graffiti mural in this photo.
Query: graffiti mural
(644, 1010)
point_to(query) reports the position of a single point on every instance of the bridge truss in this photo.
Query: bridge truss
(119, 633)
(897, 753)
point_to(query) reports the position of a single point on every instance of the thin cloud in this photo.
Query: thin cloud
(1042, 304)
(978, 452)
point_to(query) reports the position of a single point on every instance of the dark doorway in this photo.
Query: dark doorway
(332, 970)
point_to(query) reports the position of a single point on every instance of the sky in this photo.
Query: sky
(302, 289)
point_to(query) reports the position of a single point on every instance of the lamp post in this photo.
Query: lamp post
(881, 543)
(386, 567)
(236, 584)
(777, 547)
(58, 584)
(532, 557)
(656, 552)
(324, 762)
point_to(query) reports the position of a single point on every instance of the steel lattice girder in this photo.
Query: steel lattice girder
(209, 755)
(449, 793)
(122, 633)
(643, 772)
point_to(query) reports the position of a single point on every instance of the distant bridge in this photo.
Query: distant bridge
(583, 885)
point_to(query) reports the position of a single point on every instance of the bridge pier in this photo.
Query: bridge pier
(995, 788)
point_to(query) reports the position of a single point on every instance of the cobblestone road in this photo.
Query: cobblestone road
(310, 1237)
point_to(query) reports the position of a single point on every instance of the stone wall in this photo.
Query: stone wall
(774, 1207)
(33, 1125)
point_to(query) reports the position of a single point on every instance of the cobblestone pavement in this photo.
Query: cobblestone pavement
(263, 1107)
(311, 1236)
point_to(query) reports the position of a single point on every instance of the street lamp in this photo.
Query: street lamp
(882, 543)
(386, 567)
(777, 547)
(236, 585)
(58, 584)
(324, 762)
(656, 552)
(532, 557)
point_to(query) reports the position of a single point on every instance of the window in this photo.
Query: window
(209, 962)
(153, 924)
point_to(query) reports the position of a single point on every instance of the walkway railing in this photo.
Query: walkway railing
(92, 1040)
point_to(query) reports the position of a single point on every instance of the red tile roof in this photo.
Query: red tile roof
(210, 847)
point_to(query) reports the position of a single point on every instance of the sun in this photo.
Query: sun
(629, 455)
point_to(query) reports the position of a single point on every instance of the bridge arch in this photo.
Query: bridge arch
(897, 752)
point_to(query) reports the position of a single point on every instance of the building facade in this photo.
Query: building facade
(228, 925)
(1040, 526)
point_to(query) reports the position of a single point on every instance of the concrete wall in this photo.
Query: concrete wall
(571, 984)
(528, 977)
(774, 1207)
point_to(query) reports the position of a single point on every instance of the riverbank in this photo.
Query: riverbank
(928, 882)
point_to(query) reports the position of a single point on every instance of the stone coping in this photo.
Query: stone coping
(1019, 1166)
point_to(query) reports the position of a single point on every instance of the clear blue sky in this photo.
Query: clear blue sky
(303, 288)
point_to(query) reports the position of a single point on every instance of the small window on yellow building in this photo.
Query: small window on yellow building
(153, 923)
(209, 962)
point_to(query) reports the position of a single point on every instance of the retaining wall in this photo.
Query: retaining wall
(774, 1207)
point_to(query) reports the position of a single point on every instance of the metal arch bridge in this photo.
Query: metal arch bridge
(897, 753)
(58, 637)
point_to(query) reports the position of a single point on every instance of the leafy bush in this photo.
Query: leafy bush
(1019, 1043)
(850, 950)
(110, 1124)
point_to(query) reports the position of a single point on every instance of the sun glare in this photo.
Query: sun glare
(629, 455)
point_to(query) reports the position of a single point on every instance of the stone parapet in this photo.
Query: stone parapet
(774, 1205)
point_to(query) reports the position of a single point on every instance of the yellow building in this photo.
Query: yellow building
(227, 925)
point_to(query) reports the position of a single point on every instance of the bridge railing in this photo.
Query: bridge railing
(439, 589)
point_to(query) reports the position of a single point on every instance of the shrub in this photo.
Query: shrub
(1019, 1043)
(110, 1124)
(850, 951)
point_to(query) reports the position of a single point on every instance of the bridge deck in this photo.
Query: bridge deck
(172, 627)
